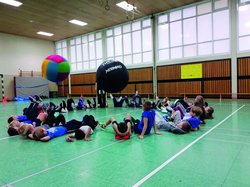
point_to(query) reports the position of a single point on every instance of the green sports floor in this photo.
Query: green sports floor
(217, 155)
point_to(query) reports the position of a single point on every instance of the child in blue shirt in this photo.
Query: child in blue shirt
(147, 121)
(48, 134)
(81, 105)
(194, 121)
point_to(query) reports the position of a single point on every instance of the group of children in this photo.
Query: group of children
(182, 116)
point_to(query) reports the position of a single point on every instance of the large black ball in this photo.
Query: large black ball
(112, 76)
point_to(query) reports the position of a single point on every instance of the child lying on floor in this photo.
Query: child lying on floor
(53, 132)
(176, 127)
(122, 130)
(84, 132)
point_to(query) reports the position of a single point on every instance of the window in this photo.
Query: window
(130, 43)
(61, 49)
(85, 51)
(244, 20)
(204, 8)
(176, 15)
(189, 12)
(163, 34)
(244, 26)
(198, 30)
(175, 34)
(189, 31)
(218, 4)
(205, 28)
(221, 24)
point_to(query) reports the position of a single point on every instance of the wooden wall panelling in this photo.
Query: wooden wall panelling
(169, 72)
(137, 75)
(87, 90)
(214, 69)
(244, 86)
(177, 89)
(167, 89)
(76, 79)
(217, 86)
(189, 87)
(130, 88)
(144, 88)
(89, 78)
(60, 91)
(76, 90)
(66, 90)
(244, 66)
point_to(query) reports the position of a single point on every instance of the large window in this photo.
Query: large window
(198, 30)
(130, 43)
(244, 25)
(201, 30)
(61, 49)
(86, 52)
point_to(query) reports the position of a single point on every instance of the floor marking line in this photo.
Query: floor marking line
(148, 176)
(7, 137)
(60, 164)
(228, 141)
(233, 130)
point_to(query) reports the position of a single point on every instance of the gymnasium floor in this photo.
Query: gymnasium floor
(217, 155)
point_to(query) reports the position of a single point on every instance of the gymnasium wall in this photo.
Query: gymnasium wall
(22, 52)
(216, 80)
(140, 79)
(18, 52)
(244, 77)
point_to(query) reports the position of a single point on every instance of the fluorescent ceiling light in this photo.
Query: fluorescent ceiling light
(11, 2)
(45, 33)
(125, 6)
(77, 22)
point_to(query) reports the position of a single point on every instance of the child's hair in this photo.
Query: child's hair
(196, 110)
(199, 99)
(10, 119)
(147, 105)
(122, 127)
(79, 134)
(186, 126)
(38, 134)
(12, 131)
(210, 111)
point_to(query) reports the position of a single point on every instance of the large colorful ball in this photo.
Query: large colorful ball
(55, 68)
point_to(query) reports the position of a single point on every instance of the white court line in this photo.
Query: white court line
(7, 137)
(228, 141)
(60, 164)
(144, 179)
(226, 129)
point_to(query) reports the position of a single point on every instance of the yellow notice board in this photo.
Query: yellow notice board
(192, 71)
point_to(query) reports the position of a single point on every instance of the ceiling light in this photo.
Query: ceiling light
(126, 6)
(11, 2)
(45, 33)
(77, 22)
